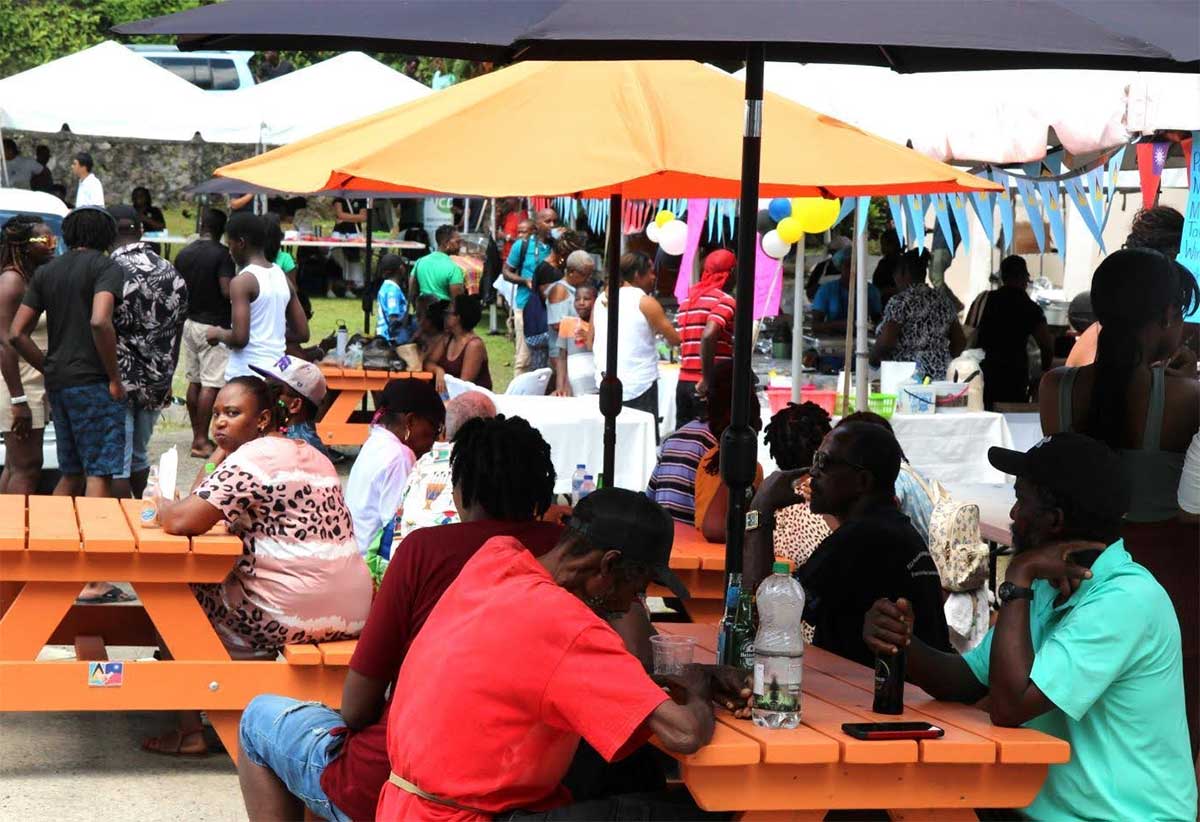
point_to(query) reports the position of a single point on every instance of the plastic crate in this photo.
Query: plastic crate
(882, 404)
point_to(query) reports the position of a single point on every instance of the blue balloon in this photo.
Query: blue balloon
(780, 207)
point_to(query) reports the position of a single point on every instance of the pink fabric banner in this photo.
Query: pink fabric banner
(768, 283)
(697, 213)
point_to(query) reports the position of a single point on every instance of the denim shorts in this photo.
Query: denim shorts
(139, 427)
(293, 740)
(89, 429)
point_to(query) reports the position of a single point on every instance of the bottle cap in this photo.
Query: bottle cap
(781, 567)
(732, 595)
(587, 476)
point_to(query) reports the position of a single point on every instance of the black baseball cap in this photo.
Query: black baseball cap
(1075, 469)
(412, 395)
(618, 519)
(126, 214)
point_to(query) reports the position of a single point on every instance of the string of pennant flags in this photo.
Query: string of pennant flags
(1042, 188)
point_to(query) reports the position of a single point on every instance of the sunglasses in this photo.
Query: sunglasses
(823, 462)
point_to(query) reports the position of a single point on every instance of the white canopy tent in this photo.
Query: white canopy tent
(109, 91)
(326, 94)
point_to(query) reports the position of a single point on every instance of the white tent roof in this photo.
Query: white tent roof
(326, 94)
(994, 116)
(109, 91)
(23, 201)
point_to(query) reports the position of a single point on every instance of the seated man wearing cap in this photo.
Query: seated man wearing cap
(1086, 647)
(533, 666)
(336, 763)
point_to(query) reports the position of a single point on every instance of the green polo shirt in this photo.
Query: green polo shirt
(435, 273)
(1109, 659)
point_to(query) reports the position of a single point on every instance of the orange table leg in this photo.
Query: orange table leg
(8, 593)
(33, 616)
(225, 723)
(335, 427)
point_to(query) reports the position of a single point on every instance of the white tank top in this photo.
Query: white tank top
(637, 356)
(268, 323)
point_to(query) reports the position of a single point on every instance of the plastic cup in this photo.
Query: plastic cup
(671, 653)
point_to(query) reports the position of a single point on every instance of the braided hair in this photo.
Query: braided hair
(92, 228)
(503, 464)
(794, 434)
(14, 244)
(1132, 289)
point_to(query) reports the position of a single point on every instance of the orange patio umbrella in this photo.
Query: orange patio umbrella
(641, 129)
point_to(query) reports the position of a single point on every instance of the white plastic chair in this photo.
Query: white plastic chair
(532, 384)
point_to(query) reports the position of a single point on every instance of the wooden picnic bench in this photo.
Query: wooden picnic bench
(701, 566)
(51, 546)
(805, 772)
(338, 425)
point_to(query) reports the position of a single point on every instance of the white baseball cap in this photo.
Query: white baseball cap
(303, 377)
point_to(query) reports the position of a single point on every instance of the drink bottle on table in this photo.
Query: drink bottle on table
(778, 651)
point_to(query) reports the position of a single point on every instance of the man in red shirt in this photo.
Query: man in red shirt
(298, 753)
(705, 321)
(516, 665)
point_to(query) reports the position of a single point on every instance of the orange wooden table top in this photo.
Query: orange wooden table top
(701, 566)
(51, 546)
(815, 768)
(352, 385)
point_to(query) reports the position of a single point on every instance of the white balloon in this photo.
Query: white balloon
(774, 246)
(652, 232)
(672, 237)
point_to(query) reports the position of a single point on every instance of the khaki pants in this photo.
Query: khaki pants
(521, 357)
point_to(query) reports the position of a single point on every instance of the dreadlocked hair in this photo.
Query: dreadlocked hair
(1131, 289)
(14, 244)
(267, 397)
(91, 228)
(794, 434)
(503, 464)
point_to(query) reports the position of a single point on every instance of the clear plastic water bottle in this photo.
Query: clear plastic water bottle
(343, 335)
(577, 481)
(778, 651)
(149, 514)
(587, 487)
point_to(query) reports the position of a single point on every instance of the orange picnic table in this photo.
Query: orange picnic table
(51, 546)
(337, 425)
(805, 772)
(701, 566)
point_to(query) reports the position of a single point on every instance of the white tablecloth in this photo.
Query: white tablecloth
(668, 379)
(949, 447)
(574, 427)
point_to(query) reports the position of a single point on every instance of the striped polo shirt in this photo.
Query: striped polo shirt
(673, 483)
(712, 305)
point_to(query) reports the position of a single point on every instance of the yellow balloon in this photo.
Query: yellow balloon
(790, 230)
(664, 217)
(815, 214)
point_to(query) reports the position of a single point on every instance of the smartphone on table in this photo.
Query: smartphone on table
(873, 731)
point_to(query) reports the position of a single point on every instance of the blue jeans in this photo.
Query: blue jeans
(291, 738)
(139, 427)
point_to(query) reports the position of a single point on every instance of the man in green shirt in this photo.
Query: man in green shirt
(1086, 647)
(435, 273)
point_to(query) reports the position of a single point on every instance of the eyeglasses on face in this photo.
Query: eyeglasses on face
(822, 461)
(48, 241)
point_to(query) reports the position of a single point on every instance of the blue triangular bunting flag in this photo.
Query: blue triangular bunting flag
(1004, 201)
(1028, 195)
(1054, 214)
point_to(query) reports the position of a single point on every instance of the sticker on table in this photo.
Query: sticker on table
(106, 674)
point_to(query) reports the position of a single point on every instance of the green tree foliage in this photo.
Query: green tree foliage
(33, 32)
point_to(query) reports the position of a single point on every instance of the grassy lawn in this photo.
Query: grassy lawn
(328, 311)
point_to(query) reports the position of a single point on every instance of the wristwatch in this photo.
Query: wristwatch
(755, 519)
(1007, 592)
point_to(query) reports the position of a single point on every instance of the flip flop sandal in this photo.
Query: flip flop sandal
(109, 597)
(155, 745)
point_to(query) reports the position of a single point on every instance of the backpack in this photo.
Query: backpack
(959, 552)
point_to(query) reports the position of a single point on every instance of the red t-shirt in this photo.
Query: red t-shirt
(509, 228)
(422, 567)
(712, 305)
(509, 672)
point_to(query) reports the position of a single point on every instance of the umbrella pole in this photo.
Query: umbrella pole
(861, 365)
(368, 295)
(798, 323)
(739, 443)
(610, 385)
